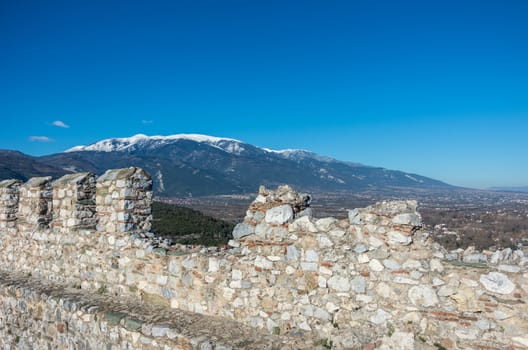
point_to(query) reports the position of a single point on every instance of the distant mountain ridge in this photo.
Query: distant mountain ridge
(233, 146)
(193, 164)
(17, 165)
(510, 188)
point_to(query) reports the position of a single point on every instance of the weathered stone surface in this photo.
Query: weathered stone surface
(9, 198)
(475, 258)
(35, 203)
(361, 248)
(338, 283)
(242, 229)
(74, 319)
(423, 296)
(520, 341)
(497, 282)
(398, 341)
(509, 268)
(465, 298)
(341, 283)
(74, 202)
(436, 265)
(303, 224)
(354, 217)
(279, 215)
(410, 219)
(379, 317)
(326, 224)
(391, 264)
(375, 265)
(116, 190)
(398, 238)
(358, 284)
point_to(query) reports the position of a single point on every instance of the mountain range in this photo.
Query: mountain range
(510, 189)
(191, 164)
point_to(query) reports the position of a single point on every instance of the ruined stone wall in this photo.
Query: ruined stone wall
(35, 204)
(39, 315)
(371, 280)
(74, 202)
(123, 200)
(9, 196)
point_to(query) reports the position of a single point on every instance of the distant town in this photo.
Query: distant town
(456, 219)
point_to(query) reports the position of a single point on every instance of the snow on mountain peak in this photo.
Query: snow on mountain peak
(129, 143)
(141, 141)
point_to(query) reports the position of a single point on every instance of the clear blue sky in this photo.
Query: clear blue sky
(438, 88)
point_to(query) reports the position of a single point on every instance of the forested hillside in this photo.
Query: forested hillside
(189, 226)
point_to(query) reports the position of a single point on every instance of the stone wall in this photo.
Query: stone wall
(123, 200)
(38, 315)
(35, 204)
(369, 281)
(74, 202)
(9, 196)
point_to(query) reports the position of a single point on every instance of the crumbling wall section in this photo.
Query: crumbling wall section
(123, 200)
(371, 280)
(35, 204)
(74, 202)
(9, 195)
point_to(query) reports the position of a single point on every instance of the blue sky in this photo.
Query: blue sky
(438, 88)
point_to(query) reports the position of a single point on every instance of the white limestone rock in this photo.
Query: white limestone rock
(354, 217)
(358, 284)
(311, 256)
(521, 341)
(375, 242)
(214, 265)
(242, 229)
(391, 264)
(363, 258)
(412, 264)
(338, 283)
(475, 258)
(279, 215)
(375, 265)
(303, 224)
(398, 238)
(360, 248)
(497, 282)
(292, 253)
(408, 219)
(509, 268)
(379, 317)
(386, 291)
(404, 280)
(422, 295)
(398, 341)
(324, 241)
(260, 199)
(326, 224)
(436, 265)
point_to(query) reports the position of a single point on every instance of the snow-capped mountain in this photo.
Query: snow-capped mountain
(195, 164)
(140, 141)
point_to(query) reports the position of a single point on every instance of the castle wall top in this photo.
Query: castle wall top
(35, 203)
(38, 182)
(73, 179)
(368, 279)
(123, 199)
(9, 183)
(117, 201)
